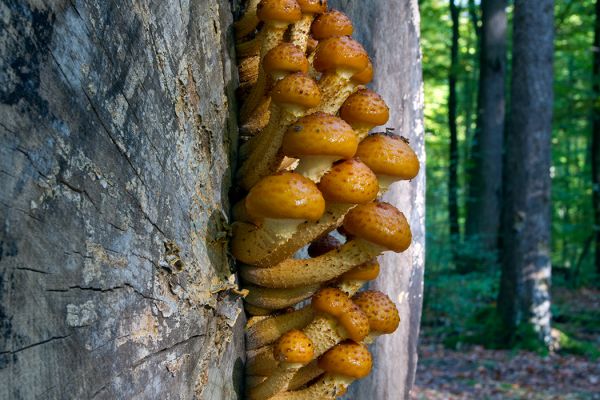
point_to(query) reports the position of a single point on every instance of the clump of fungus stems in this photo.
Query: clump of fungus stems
(309, 167)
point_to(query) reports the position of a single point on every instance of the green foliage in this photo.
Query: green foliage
(571, 188)
(568, 344)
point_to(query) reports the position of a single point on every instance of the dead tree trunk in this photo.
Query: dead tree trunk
(116, 139)
(389, 30)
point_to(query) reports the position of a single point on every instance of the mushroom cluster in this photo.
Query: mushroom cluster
(310, 178)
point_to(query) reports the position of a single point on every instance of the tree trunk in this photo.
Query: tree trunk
(116, 141)
(596, 137)
(452, 112)
(483, 207)
(389, 30)
(524, 298)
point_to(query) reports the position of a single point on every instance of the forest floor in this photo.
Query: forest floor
(455, 370)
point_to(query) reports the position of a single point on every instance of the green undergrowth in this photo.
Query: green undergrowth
(460, 309)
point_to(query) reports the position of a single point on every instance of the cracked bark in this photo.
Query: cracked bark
(116, 139)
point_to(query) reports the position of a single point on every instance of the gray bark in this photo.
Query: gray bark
(524, 290)
(389, 30)
(485, 190)
(116, 140)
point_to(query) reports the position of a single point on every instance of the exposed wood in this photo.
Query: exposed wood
(389, 30)
(524, 297)
(116, 152)
(485, 190)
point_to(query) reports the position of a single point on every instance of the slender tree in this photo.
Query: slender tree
(596, 137)
(524, 298)
(483, 204)
(452, 112)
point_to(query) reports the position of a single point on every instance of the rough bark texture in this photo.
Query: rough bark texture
(390, 32)
(524, 289)
(483, 207)
(596, 137)
(452, 112)
(116, 138)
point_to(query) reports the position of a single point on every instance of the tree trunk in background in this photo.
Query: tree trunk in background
(452, 105)
(596, 137)
(389, 30)
(524, 297)
(116, 140)
(485, 175)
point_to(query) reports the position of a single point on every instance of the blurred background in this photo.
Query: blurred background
(471, 346)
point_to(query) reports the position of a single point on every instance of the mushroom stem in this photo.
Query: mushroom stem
(335, 89)
(248, 22)
(258, 246)
(275, 299)
(314, 167)
(270, 329)
(300, 30)
(293, 272)
(327, 387)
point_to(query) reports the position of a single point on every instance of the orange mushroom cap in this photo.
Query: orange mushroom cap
(333, 23)
(349, 181)
(319, 134)
(365, 106)
(322, 245)
(294, 347)
(297, 89)
(379, 223)
(364, 272)
(340, 53)
(365, 76)
(278, 11)
(389, 155)
(379, 309)
(313, 6)
(347, 358)
(285, 57)
(356, 322)
(331, 301)
(285, 195)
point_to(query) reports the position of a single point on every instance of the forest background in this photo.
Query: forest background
(463, 275)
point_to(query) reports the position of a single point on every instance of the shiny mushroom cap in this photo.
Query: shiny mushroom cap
(322, 245)
(349, 359)
(285, 58)
(389, 155)
(364, 272)
(294, 347)
(285, 195)
(365, 107)
(280, 12)
(340, 54)
(365, 76)
(379, 223)
(349, 181)
(379, 309)
(319, 134)
(297, 89)
(333, 23)
(330, 301)
(313, 6)
(355, 322)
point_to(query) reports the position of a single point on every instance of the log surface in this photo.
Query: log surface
(116, 153)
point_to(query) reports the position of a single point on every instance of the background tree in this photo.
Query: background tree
(485, 174)
(524, 298)
(595, 143)
(452, 124)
